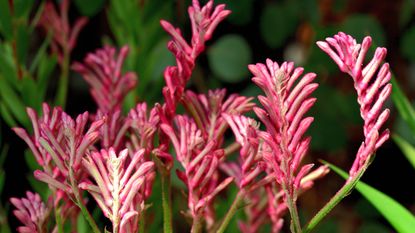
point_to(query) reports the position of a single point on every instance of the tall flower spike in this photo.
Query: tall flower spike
(204, 21)
(64, 36)
(102, 70)
(119, 186)
(200, 161)
(32, 212)
(284, 107)
(59, 143)
(372, 91)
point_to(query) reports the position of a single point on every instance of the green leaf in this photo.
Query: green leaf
(7, 115)
(82, 225)
(359, 26)
(22, 44)
(46, 66)
(277, 23)
(30, 93)
(407, 44)
(229, 58)
(89, 8)
(398, 216)
(13, 102)
(403, 105)
(5, 20)
(407, 149)
(21, 8)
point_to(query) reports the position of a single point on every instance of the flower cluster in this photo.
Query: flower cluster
(372, 91)
(268, 172)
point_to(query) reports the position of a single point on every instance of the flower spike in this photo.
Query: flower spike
(371, 82)
(119, 187)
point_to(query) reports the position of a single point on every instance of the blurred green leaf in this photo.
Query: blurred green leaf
(7, 65)
(372, 227)
(6, 19)
(407, 44)
(82, 225)
(407, 149)
(21, 8)
(360, 25)
(13, 102)
(242, 10)
(22, 44)
(7, 115)
(329, 127)
(30, 92)
(46, 66)
(278, 22)
(407, 8)
(398, 216)
(229, 58)
(90, 7)
(403, 105)
(328, 226)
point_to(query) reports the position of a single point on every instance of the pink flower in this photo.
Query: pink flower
(64, 37)
(119, 186)
(285, 104)
(200, 160)
(286, 101)
(59, 143)
(32, 212)
(204, 21)
(372, 91)
(103, 72)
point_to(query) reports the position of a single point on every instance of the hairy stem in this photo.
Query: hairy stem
(62, 92)
(197, 225)
(342, 193)
(234, 207)
(81, 204)
(295, 220)
(166, 202)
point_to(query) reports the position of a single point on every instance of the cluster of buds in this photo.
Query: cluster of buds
(372, 92)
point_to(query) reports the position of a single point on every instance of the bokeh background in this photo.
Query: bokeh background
(256, 30)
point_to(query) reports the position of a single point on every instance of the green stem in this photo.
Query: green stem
(197, 225)
(62, 92)
(234, 207)
(58, 220)
(295, 220)
(166, 202)
(342, 193)
(141, 224)
(81, 204)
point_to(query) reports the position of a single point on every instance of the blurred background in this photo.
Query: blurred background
(256, 30)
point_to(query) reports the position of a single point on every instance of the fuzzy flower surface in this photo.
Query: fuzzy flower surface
(372, 84)
(118, 185)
